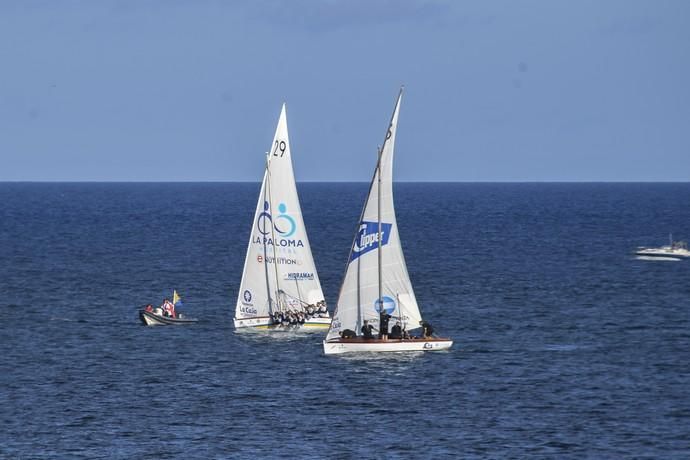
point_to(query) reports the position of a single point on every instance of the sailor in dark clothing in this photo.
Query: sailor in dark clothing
(396, 331)
(348, 334)
(383, 325)
(367, 330)
(427, 330)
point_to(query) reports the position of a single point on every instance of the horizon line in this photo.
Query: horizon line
(347, 181)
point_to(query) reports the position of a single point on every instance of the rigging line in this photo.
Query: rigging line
(299, 295)
(349, 259)
(302, 302)
(404, 325)
(273, 234)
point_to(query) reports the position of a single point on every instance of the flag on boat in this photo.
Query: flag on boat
(177, 300)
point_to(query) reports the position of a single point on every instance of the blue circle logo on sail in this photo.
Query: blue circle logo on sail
(388, 305)
(261, 221)
(284, 224)
(287, 222)
(247, 296)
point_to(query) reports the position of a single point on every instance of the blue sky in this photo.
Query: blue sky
(495, 90)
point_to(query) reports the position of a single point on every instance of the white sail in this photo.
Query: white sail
(359, 293)
(279, 271)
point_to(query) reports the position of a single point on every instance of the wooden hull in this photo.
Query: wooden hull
(360, 345)
(265, 323)
(151, 319)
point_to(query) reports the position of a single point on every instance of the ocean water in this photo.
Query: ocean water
(566, 346)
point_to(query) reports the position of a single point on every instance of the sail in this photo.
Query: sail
(279, 271)
(359, 293)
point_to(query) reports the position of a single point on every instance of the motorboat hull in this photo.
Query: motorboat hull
(151, 319)
(674, 253)
(361, 345)
(265, 322)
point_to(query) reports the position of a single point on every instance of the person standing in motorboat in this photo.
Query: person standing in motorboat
(168, 308)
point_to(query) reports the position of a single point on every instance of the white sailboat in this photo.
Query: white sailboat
(376, 277)
(280, 288)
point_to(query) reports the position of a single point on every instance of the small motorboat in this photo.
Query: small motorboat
(674, 250)
(157, 318)
(166, 314)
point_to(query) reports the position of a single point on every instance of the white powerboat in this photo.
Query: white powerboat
(674, 250)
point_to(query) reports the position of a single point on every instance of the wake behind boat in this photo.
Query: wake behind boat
(674, 250)
(166, 314)
(377, 287)
(280, 288)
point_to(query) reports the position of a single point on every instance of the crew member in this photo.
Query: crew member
(168, 308)
(427, 329)
(348, 334)
(384, 317)
(396, 331)
(367, 330)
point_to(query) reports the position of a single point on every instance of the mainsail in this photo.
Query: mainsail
(279, 272)
(376, 275)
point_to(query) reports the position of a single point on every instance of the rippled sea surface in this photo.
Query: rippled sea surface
(566, 346)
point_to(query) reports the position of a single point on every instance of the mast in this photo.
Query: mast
(268, 284)
(379, 233)
(378, 170)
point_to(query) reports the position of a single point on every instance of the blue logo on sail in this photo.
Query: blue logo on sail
(388, 305)
(368, 238)
(282, 226)
(285, 228)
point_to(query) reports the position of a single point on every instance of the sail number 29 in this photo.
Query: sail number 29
(279, 146)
